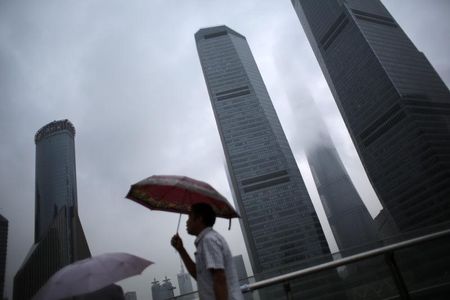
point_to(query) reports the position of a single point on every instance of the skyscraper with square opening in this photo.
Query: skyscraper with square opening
(393, 102)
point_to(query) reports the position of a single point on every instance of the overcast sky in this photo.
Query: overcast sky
(127, 75)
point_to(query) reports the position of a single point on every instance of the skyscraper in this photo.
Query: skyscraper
(56, 185)
(156, 290)
(351, 223)
(393, 102)
(280, 226)
(59, 236)
(3, 251)
(349, 219)
(166, 289)
(242, 274)
(185, 284)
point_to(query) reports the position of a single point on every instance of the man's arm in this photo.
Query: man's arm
(177, 243)
(220, 284)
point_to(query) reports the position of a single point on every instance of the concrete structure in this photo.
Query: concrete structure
(242, 274)
(59, 236)
(156, 289)
(130, 296)
(166, 289)
(185, 284)
(393, 102)
(3, 252)
(280, 226)
(162, 291)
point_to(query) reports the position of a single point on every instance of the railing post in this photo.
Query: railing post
(288, 291)
(397, 276)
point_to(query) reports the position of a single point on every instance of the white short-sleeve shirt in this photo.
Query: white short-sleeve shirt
(213, 253)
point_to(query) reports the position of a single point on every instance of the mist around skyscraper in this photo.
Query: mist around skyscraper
(395, 105)
(352, 226)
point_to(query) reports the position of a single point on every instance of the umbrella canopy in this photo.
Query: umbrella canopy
(177, 194)
(91, 274)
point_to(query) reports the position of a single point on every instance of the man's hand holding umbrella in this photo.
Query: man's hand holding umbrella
(177, 243)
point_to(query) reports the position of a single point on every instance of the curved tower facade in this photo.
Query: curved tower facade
(56, 185)
(59, 236)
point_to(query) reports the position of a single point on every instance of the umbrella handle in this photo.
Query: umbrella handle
(178, 226)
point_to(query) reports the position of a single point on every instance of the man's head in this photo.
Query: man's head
(201, 216)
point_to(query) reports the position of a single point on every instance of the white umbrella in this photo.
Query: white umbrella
(91, 274)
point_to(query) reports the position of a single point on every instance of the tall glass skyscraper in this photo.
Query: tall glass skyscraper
(393, 102)
(280, 226)
(350, 221)
(59, 236)
(56, 185)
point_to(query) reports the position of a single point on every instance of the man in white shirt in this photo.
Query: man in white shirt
(213, 268)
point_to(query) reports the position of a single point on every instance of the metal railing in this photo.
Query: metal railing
(386, 251)
(391, 262)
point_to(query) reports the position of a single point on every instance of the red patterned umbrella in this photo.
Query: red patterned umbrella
(177, 194)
